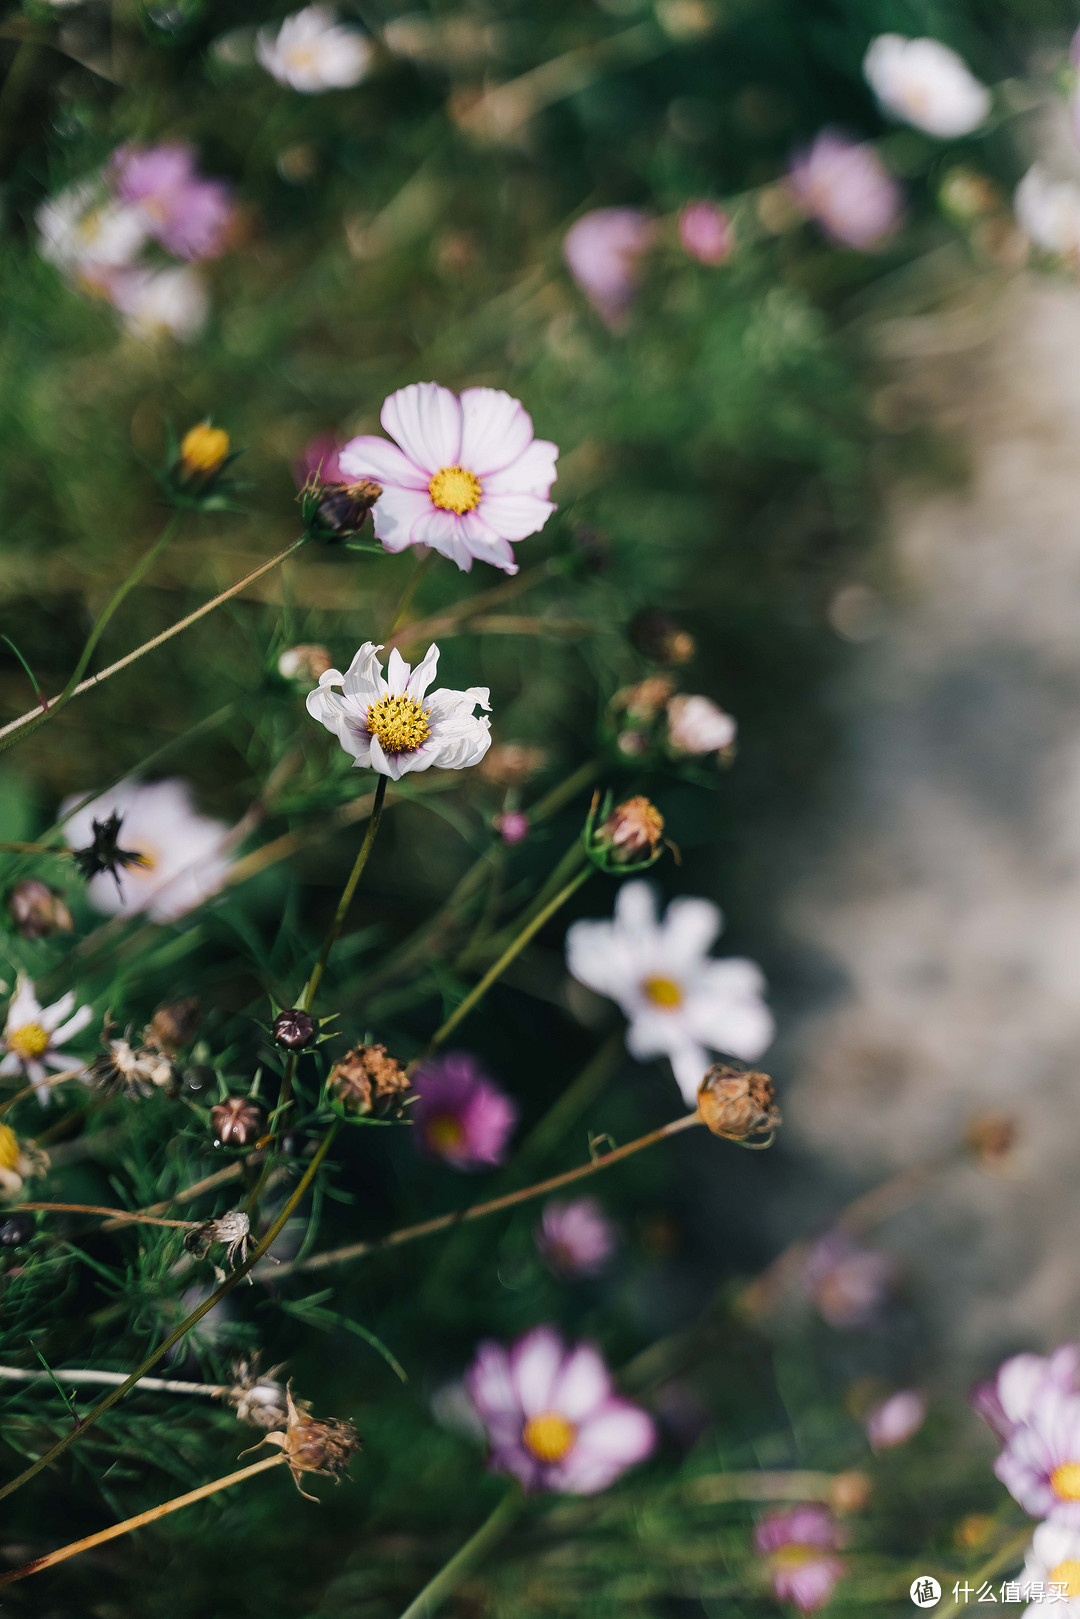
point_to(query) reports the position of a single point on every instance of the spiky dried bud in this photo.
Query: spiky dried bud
(237, 1122)
(366, 1083)
(233, 1229)
(632, 831)
(122, 1069)
(258, 1400)
(38, 910)
(294, 1028)
(736, 1104)
(304, 664)
(174, 1026)
(16, 1229)
(203, 450)
(103, 853)
(991, 1137)
(311, 1445)
(337, 510)
(657, 636)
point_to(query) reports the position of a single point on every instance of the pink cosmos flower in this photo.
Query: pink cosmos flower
(1040, 1465)
(706, 232)
(551, 1417)
(319, 459)
(1007, 1399)
(842, 184)
(603, 252)
(460, 1115)
(848, 1284)
(896, 1419)
(576, 1238)
(189, 215)
(512, 826)
(465, 475)
(800, 1545)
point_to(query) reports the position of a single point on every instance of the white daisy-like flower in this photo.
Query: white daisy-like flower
(161, 303)
(33, 1035)
(1048, 212)
(680, 1003)
(465, 476)
(184, 853)
(1053, 1565)
(697, 725)
(924, 83)
(85, 228)
(390, 723)
(311, 52)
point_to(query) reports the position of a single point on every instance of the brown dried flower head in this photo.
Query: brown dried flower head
(232, 1229)
(122, 1069)
(38, 910)
(367, 1083)
(237, 1122)
(736, 1104)
(311, 1445)
(258, 1399)
(633, 830)
(173, 1026)
(643, 702)
(658, 636)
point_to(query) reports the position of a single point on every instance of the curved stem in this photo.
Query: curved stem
(405, 599)
(312, 985)
(99, 1410)
(450, 1576)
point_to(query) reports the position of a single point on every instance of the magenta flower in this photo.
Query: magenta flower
(706, 232)
(512, 826)
(603, 252)
(576, 1238)
(460, 1115)
(842, 184)
(1007, 1399)
(189, 215)
(896, 1419)
(800, 1545)
(848, 1284)
(1040, 1465)
(319, 459)
(465, 476)
(551, 1418)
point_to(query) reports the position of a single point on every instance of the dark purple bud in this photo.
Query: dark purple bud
(294, 1028)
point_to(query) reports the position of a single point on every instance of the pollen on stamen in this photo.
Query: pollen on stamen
(454, 489)
(400, 724)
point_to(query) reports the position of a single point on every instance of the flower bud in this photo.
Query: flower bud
(656, 635)
(294, 1028)
(304, 664)
(512, 827)
(642, 703)
(367, 1083)
(16, 1229)
(203, 450)
(174, 1026)
(736, 1104)
(237, 1122)
(38, 910)
(632, 831)
(696, 725)
(313, 1446)
(341, 509)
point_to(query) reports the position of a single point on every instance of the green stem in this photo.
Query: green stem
(465, 1559)
(406, 597)
(346, 899)
(110, 1399)
(513, 949)
(484, 948)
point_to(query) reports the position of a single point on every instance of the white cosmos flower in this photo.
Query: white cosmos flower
(697, 725)
(926, 84)
(680, 1003)
(84, 227)
(1048, 212)
(389, 723)
(161, 303)
(185, 853)
(33, 1035)
(1053, 1559)
(312, 52)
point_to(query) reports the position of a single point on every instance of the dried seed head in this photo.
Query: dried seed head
(203, 449)
(38, 910)
(233, 1229)
(737, 1105)
(126, 1070)
(174, 1026)
(304, 664)
(237, 1122)
(314, 1446)
(258, 1400)
(103, 853)
(343, 508)
(657, 636)
(992, 1138)
(294, 1029)
(367, 1083)
(632, 831)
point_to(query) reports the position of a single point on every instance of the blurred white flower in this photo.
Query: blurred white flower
(185, 852)
(680, 1003)
(161, 303)
(312, 52)
(389, 724)
(33, 1035)
(1048, 212)
(1053, 1565)
(85, 228)
(697, 725)
(896, 1419)
(924, 83)
(603, 252)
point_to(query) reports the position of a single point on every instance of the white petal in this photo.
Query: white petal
(689, 1064)
(397, 674)
(426, 421)
(424, 673)
(534, 1365)
(363, 680)
(514, 516)
(371, 457)
(495, 430)
(72, 1027)
(635, 907)
(582, 1385)
(484, 544)
(10, 1065)
(53, 1015)
(24, 1007)
(439, 529)
(387, 764)
(394, 514)
(689, 928)
(532, 473)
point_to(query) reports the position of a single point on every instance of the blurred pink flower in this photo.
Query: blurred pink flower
(896, 1419)
(706, 232)
(842, 184)
(576, 1238)
(1007, 1399)
(512, 827)
(800, 1545)
(603, 251)
(551, 1417)
(1040, 1465)
(319, 459)
(189, 215)
(848, 1284)
(465, 476)
(460, 1115)
(697, 725)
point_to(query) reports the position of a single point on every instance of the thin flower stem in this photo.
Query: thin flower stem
(115, 1216)
(226, 1287)
(35, 716)
(406, 597)
(34, 848)
(513, 949)
(312, 985)
(465, 1559)
(88, 1374)
(149, 1516)
(479, 1211)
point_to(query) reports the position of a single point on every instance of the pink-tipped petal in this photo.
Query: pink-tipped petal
(535, 1362)
(372, 457)
(425, 420)
(395, 513)
(495, 430)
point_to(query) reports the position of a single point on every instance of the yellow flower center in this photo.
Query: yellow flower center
(399, 723)
(1067, 1573)
(1065, 1481)
(203, 448)
(446, 1132)
(9, 1147)
(549, 1436)
(664, 993)
(794, 1556)
(31, 1040)
(455, 490)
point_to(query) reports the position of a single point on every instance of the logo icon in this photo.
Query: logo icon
(925, 1591)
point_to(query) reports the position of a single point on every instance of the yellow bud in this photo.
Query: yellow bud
(9, 1147)
(203, 448)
